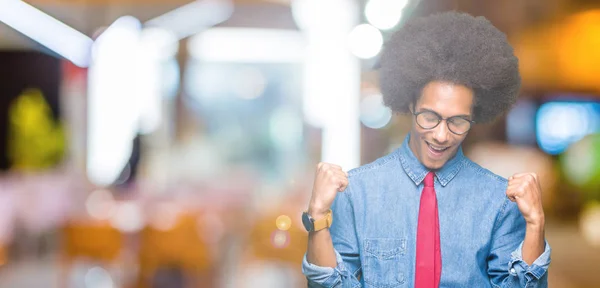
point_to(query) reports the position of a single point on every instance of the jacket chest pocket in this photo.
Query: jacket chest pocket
(384, 262)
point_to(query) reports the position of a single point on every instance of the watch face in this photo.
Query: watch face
(307, 222)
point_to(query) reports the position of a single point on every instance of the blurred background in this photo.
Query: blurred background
(169, 143)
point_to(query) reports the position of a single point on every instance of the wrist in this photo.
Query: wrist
(317, 211)
(536, 225)
(317, 222)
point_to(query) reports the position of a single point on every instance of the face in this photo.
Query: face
(434, 147)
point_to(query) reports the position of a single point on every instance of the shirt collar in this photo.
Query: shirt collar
(416, 171)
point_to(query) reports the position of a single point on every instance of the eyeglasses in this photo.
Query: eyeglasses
(456, 124)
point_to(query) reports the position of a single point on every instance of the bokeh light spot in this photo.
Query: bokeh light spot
(100, 204)
(283, 222)
(98, 278)
(280, 239)
(589, 223)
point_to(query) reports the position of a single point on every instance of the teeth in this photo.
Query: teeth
(437, 148)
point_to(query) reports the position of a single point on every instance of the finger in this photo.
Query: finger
(519, 175)
(340, 173)
(333, 166)
(511, 194)
(327, 166)
(514, 190)
(517, 181)
(524, 176)
(341, 177)
(330, 168)
(340, 182)
(515, 186)
(518, 193)
(332, 174)
(343, 184)
(320, 165)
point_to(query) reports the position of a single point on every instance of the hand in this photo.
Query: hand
(525, 190)
(329, 180)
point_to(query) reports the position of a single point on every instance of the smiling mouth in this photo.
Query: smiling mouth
(436, 150)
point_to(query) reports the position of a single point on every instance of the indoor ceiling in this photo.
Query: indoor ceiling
(527, 24)
(87, 16)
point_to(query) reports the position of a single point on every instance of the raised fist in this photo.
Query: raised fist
(329, 180)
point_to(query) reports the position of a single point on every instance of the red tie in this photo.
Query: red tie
(429, 257)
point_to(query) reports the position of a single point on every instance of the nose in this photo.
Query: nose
(441, 134)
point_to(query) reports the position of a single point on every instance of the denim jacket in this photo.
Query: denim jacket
(375, 223)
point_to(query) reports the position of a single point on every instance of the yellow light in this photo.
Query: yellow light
(578, 49)
(562, 55)
(283, 222)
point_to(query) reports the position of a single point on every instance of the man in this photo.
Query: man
(425, 215)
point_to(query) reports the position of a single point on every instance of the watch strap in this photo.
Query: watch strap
(324, 222)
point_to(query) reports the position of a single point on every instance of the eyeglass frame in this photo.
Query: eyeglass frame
(471, 122)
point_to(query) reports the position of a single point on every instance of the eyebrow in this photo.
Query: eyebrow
(461, 115)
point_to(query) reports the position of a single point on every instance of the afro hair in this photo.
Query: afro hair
(453, 47)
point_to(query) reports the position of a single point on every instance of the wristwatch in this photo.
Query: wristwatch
(311, 224)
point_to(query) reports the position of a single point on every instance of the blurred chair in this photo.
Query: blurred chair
(267, 243)
(90, 240)
(272, 257)
(177, 249)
